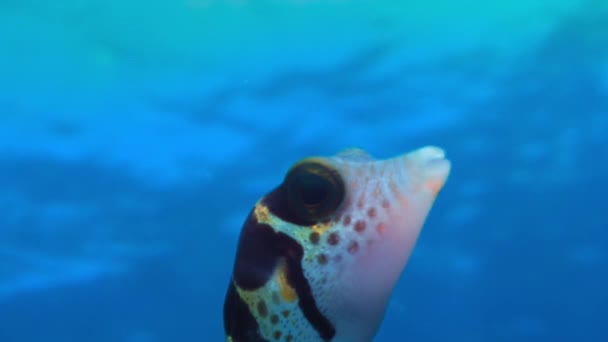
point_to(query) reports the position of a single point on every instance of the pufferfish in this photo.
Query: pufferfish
(318, 257)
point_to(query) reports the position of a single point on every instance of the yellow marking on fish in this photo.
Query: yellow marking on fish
(229, 339)
(262, 214)
(278, 296)
(321, 228)
(287, 291)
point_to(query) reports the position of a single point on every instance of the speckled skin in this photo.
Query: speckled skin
(331, 280)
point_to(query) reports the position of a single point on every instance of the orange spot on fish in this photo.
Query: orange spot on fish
(347, 220)
(371, 212)
(288, 293)
(333, 239)
(434, 186)
(360, 226)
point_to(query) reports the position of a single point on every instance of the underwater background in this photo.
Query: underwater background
(135, 136)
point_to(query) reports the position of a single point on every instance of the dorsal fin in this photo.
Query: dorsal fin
(354, 154)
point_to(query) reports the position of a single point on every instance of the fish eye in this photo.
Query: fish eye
(314, 190)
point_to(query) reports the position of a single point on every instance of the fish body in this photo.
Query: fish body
(318, 257)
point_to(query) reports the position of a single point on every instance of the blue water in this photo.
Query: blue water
(130, 155)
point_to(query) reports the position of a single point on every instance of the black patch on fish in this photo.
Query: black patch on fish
(260, 250)
(311, 192)
(239, 323)
(257, 255)
(276, 202)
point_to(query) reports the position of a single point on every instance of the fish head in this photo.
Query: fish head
(385, 205)
(319, 256)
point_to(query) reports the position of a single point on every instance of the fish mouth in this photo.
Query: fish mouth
(428, 166)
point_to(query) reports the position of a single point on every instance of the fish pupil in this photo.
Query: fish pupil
(313, 190)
